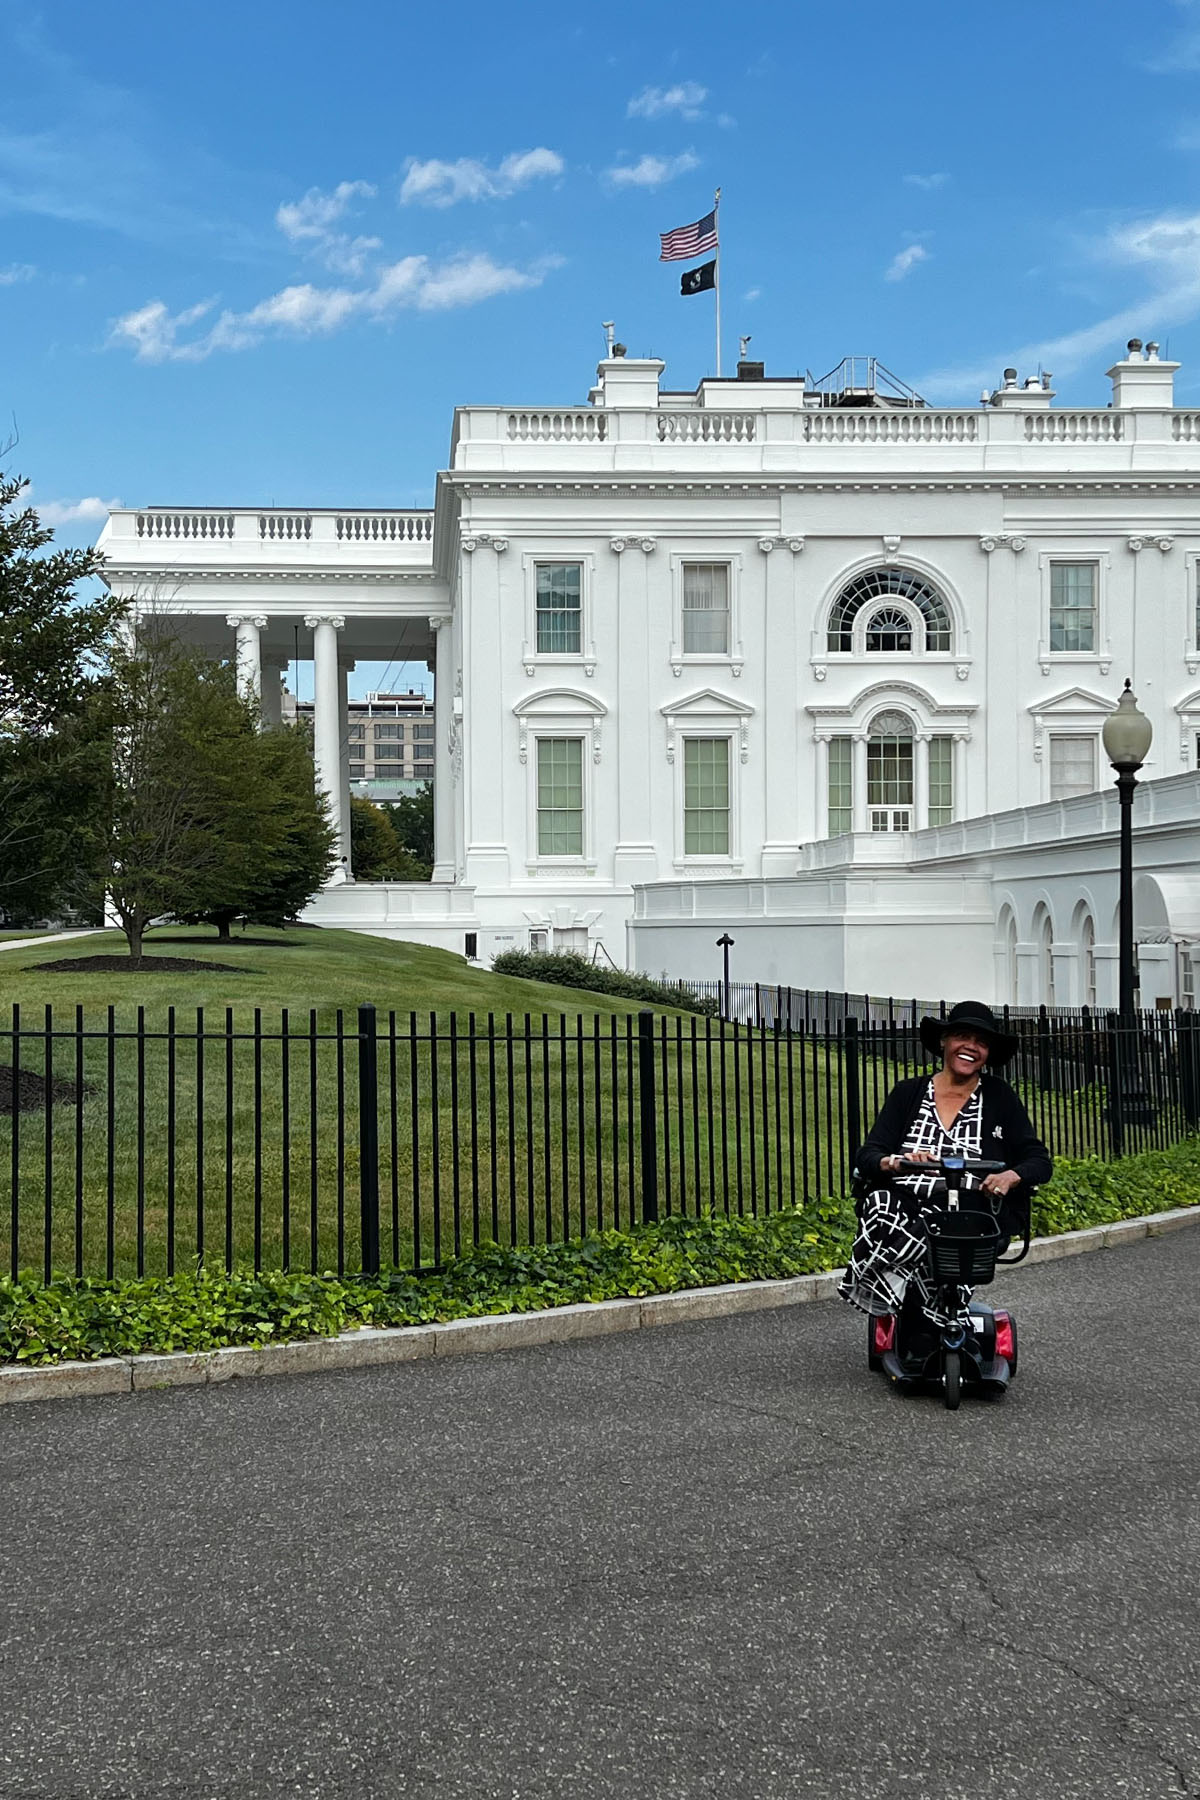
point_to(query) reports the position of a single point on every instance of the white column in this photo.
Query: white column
(272, 690)
(920, 806)
(860, 784)
(248, 627)
(345, 664)
(444, 864)
(326, 732)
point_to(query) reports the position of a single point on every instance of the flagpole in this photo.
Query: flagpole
(717, 277)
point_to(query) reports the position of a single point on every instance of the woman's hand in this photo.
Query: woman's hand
(1001, 1184)
(892, 1163)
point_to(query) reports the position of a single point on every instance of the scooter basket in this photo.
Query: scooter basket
(962, 1247)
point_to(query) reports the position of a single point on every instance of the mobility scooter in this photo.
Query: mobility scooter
(933, 1337)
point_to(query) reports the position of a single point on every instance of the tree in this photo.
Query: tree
(52, 761)
(412, 820)
(280, 764)
(188, 830)
(376, 853)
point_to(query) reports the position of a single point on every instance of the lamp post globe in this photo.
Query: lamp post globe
(1127, 737)
(1127, 734)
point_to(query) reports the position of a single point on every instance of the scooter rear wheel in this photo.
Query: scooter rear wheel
(952, 1372)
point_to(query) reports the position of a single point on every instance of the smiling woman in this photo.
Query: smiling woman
(955, 1112)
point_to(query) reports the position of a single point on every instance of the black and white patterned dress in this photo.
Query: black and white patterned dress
(887, 1253)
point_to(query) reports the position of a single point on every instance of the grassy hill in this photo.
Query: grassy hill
(299, 968)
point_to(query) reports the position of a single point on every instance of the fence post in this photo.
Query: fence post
(368, 1138)
(852, 1090)
(1116, 1074)
(647, 1117)
(1187, 1037)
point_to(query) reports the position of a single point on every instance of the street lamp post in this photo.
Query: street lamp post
(1127, 737)
(725, 945)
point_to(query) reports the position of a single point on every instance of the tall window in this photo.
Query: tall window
(706, 796)
(1073, 607)
(422, 733)
(1072, 766)
(560, 796)
(890, 773)
(706, 609)
(941, 780)
(559, 609)
(889, 623)
(841, 786)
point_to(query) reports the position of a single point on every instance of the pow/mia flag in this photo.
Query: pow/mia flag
(698, 281)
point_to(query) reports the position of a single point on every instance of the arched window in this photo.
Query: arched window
(1010, 959)
(925, 614)
(889, 631)
(1046, 956)
(890, 749)
(1088, 937)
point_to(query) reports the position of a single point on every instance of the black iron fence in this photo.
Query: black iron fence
(343, 1142)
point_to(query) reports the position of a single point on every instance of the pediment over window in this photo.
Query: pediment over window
(707, 703)
(929, 716)
(1073, 700)
(1189, 704)
(560, 703)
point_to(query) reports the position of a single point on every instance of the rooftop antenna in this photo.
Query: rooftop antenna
(609, 330)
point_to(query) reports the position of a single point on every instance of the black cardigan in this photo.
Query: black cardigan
(1007, 1136)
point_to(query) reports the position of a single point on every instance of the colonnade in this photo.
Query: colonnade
(260, 677)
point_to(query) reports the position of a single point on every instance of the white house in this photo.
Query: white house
(769, 632)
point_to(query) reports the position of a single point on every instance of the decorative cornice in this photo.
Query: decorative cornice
(309, 577)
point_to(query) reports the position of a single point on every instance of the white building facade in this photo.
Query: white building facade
(729, 637)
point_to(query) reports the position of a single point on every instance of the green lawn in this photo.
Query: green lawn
(304, 969)
(519, 1122)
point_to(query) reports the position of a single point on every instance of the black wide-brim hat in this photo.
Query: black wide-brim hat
(974, 1015)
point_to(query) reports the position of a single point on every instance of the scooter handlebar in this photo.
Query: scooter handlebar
(935, 1165)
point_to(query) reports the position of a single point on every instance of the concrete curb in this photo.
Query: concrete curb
(500, 1331)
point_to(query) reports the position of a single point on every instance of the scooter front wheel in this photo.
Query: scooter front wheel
(952, 1373)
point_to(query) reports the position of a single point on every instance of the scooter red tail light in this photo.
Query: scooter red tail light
(885, 1334)
(1004, 1336)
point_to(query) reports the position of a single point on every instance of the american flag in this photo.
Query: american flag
(689, 240)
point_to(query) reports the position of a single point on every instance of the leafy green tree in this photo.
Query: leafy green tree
(412, 820)
(376, 853)
(52, 759)
(188, 830)
(294, 866)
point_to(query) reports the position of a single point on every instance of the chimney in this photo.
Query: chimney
(627, 381)
(1034, 394)
(751, 371)
(1142, 382)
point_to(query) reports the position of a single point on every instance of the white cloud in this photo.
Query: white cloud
(310, 221)
(905, 261)
(685, 98)
(928, 182)
(16, 272)
(413, 283)
(1166, 248)
(436, 183)
(751, 293)
(652, 171)
(1181, 56)
(57, 513)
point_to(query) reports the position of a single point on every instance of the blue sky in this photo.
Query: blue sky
(256, 253)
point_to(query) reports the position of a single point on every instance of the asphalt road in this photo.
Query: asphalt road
(719, 1559)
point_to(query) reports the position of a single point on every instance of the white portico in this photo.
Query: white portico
(272, 586)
